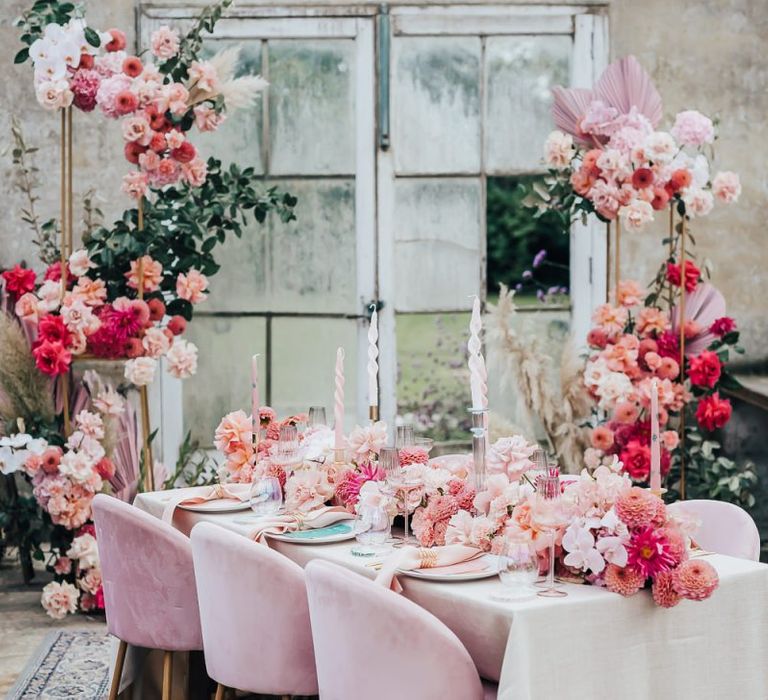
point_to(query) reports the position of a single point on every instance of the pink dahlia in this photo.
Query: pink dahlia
(636, 507)
(413, 455)
(349, 488)
(676, 541)
(695, 579)
(623, 580)
(85, 85)
(649, 552)
(664, 592)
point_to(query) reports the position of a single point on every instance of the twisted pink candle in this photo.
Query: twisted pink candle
(655, 446)
(338, 400)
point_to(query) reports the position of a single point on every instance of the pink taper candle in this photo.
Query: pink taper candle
(255, 401)
(655, 446)
(338, 400)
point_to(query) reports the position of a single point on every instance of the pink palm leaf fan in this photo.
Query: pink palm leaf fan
(703, 306)
(624, 87)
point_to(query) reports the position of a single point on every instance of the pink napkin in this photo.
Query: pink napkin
(204, 494)
(291, 522)
(452, 558)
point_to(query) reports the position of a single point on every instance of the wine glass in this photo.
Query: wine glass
(266, 496)
(518, 567)
(372, 530)
(549, 515)
(398, 479)
(424, 443)
(404, 436)
(317, 417)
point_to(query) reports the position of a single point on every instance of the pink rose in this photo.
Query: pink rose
(195, 172)
(636, 214)
(207, 119)
(192, 286)
(155, 342)
(27, 307)
(165, 42)
(109, 89)
(182, 359)
(135, 184)
(152, 272)
(726, 187)
(58, 599)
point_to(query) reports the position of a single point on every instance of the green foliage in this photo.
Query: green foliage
(193, 467)
(514, 236)
(710, 475)
(23, 524)
(192, 43)
(183, 226)
(44, 12)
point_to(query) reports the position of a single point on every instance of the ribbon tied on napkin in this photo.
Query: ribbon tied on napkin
(449, 559)
(204, 494)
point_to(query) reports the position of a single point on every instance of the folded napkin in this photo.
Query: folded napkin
(452, 558)
(291, 522)
(203, 494)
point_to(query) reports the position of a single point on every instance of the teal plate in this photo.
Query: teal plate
(324, 535)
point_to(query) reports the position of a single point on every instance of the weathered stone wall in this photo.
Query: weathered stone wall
(706, 54)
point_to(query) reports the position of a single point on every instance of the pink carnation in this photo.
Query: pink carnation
(165, 43)
(192, 286)
(692, 128)
(726, 186)
(85, 85)
(58, 599)
(695, 579)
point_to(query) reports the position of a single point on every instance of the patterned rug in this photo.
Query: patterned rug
(66, 665)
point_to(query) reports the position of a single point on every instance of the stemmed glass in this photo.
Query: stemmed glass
(398, 479)
(266, 496)
(287, 451)
(518, 568)
(372, 530)
(405, 436)
(549, 515)
(317, 417)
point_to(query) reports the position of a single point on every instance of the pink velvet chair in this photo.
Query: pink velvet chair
(254, 615)
(725, 528)
(149, 584)
(375, 644)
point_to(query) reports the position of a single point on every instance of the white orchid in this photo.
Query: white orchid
(579, 542)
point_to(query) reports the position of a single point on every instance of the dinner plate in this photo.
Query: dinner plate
(432, 575)
(323, 535)
(220, 505)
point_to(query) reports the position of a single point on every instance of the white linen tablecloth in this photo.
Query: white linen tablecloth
(593, 644)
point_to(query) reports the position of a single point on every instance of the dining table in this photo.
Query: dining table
(590, 644)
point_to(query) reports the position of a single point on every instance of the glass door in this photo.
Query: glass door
(464, 122)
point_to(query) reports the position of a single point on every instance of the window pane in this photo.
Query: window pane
(312, 107)
(239, 138)
(314, 258)
(223, 380)
(433, 379)
(531, 255)
(436, 105)
(520, 74)
(437, 243)
(303, 364)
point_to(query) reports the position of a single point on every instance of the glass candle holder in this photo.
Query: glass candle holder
(479, 441)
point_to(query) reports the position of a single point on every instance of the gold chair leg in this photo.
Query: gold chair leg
(118, 670)
(220, 690)
(167, 674)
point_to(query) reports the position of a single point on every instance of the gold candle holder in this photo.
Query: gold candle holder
(373, 413)
(339, 456)
(682, 354)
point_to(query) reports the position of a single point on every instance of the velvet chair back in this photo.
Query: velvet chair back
(254, 615)
(149, 580)
(725, 528)
(375, 644)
